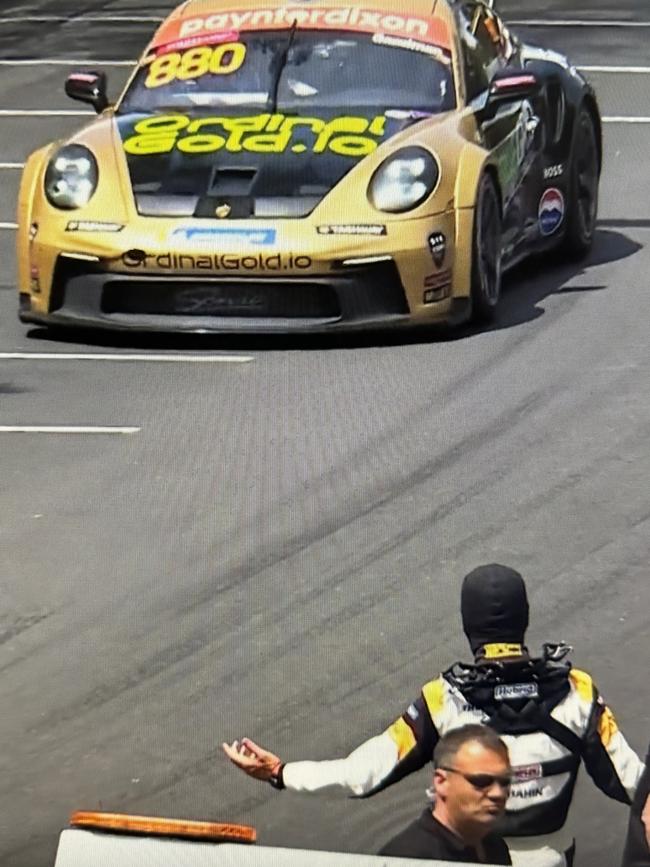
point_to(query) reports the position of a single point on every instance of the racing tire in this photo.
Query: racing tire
(486, 252)
(582, 210)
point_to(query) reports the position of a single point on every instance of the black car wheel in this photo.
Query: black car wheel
(486, 252)
(583, 191)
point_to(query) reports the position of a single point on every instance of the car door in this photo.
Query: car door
(510, 130)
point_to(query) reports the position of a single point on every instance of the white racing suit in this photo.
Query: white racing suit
(549, 714)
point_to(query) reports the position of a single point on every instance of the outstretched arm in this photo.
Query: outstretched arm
(377, 763)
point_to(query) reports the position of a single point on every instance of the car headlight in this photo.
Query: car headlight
(71, 177)
(404, 180)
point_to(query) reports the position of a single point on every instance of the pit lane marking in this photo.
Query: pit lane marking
(117, 356)
(12, 165)
(67, 429)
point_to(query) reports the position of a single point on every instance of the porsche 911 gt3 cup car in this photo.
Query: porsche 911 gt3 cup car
(301, 167)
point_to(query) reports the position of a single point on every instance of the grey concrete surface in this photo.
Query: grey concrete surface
(278, 551)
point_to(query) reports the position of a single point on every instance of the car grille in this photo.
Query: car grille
(247, 298)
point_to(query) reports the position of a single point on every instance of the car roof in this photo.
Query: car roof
(433, 10)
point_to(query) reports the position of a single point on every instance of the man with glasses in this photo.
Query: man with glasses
(471, 782)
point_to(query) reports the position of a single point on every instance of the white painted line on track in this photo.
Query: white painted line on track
(66, 429)
(625, 119)
(575, 22)
(83, 61)
(8, 225)
(116, 356)
(12, 165)
(47, 112)
(82, 19)
(44, 112)
(63, 61)
(155, 19)
(616, 70)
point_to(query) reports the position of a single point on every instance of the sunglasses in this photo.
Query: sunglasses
(482, 781)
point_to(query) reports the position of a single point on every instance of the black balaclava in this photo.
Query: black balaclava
(494, 606)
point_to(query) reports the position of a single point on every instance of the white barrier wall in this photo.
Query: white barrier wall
(93, 849)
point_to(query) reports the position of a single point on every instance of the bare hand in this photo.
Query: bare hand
(252, 759)
(645, 818)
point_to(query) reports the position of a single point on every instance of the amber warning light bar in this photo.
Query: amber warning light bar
(155, 826)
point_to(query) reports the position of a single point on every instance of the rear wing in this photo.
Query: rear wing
(117, 840)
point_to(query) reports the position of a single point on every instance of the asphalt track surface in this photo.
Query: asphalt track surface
(277, 551)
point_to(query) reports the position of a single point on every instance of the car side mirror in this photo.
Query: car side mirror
(509, 85)
(88, 87)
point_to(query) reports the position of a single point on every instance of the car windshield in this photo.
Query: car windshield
(288, 71)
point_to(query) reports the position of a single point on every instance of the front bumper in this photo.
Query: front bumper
(344, 284)
(84, 295)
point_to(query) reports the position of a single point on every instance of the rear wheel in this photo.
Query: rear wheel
(583, 190)
(486, 252)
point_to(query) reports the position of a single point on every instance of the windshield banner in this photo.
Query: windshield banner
(350, 18)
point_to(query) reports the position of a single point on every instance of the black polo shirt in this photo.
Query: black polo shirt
(427, 838)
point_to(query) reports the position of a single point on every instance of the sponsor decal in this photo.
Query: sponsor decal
(352, 229)
(348, 135)
(412, 45)
(496, 651)
(34, 280)
(553, 171)
(350, 18)
(194, 42)
(412, 712)
(438, 247)
(93, 226)
(436, 287)
(224, 59)
(551, 211)
(210, 301)
(525, 773)
(535, 792)
(212, 262)
(516, 690)
(207, 235)
(33, 231)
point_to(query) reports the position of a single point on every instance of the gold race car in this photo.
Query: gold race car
(307, 167)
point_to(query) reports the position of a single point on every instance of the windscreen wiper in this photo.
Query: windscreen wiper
(281, 63)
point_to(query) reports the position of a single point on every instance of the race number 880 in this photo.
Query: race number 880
(221, 60)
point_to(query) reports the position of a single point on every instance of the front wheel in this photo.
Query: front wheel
(583, 189)
(486, 252)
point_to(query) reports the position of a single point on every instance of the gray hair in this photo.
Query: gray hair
(451, 742)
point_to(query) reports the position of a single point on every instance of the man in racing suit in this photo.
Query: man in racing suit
(549, 714)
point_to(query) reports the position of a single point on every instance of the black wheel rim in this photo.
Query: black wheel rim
(587, 178)
(489, 247)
